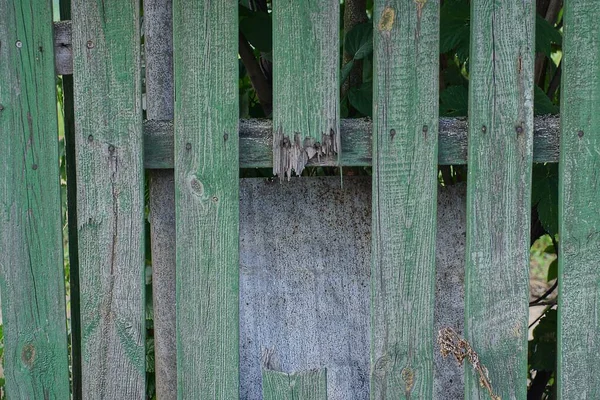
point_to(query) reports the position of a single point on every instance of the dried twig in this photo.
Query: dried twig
(451, 343)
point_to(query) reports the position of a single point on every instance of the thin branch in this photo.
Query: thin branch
(263, 88)
(545, 295)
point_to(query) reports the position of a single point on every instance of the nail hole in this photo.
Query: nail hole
(91, 138)
(392, 133)
(225, 137)
(111, 149)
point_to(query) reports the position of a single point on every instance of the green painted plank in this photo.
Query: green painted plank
(31, 253)
(499, 192)
(405, 136)
(110, 197)
(579, 205)
(305, 83)
(206, 198)
(256, 139)
(307, 385)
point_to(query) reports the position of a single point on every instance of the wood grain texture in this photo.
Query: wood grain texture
(158, 42)
(305, 83)
(256, 138)
(579, 205)
(405, 133)
(31, 254)
(206, 198)
(110, 197)
(307, 385)
(499, 193)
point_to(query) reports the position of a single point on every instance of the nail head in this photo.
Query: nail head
(19, 44)
(34, 167)
(90, 44)
(91, 138)
(483, 128)
(188, 146)
(580, 134)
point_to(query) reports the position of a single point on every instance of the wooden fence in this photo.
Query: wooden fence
(192, 143)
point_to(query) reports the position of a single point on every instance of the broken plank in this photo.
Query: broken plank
(405, 179)
(305, 83)
(579, 205)
(206, 152)
(35, 358)
(499, 194)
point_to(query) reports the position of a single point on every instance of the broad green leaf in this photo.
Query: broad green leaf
(455, 28)
(542, 348)
(544, 195)
(361, 98)
(346, 71)
(257, 27)
(454, 101)
(359, 41)
(552, 270)
(545, 36)
(542, 105)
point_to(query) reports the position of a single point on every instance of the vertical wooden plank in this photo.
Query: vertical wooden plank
(206, 198)
(31, 252)
(579, 205)
(110, 197)
(158, 26)
(499, 191)
(405, 130)
(305, 83)
(308, 385)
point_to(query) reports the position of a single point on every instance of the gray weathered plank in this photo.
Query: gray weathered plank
(110, 197)
(579, 205)
(308, 385)
(158, 49)
(305, 83)
(31, 253)
(256, 140)
(499, 192)
(63, 52)
(405, 136)
(206, 197)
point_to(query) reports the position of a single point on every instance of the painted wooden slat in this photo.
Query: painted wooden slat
(579, 205)
(31, 254)
(308, 385)
(499, 192)
(206, 197)
(405, 133)
(158, 42)
(110, 197)
(305, 83)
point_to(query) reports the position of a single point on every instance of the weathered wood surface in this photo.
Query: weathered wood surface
(405, 135)
(499, 192)
(256, 140)
(110, 197)
(63, 52)
(309, 385)
(579, 205)
(305, 83)
(158, 25)
(304, 297)
(31, 256)
(206, 198)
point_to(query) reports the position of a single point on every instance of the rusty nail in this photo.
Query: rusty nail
(19, 44)
(225, 136)
(392, 133)
(111, 148)
(580, 134)
(188, 146)
(91, 138)
(483, 129)
(90, 44)
(34, 166)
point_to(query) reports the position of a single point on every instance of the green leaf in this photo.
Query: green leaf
(552, 270)
(346, 71)
(542, 348)
(359, 41)
(257, 27)
(545, 36)
(455, 28)
(544, 195)
(361, 98)
(454, 101)
(542, 105)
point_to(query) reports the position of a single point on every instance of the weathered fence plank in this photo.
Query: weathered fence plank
(405, 127)
(110, 198)
(158, 48)
(206, 198)
(499, 192)
(305, 83)
(31, 257)
(309, 385)
(579, 205)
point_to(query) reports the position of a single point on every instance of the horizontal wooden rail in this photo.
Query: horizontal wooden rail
(256, 143)
(256, 136)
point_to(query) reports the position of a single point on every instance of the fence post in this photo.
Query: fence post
(31, 256)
